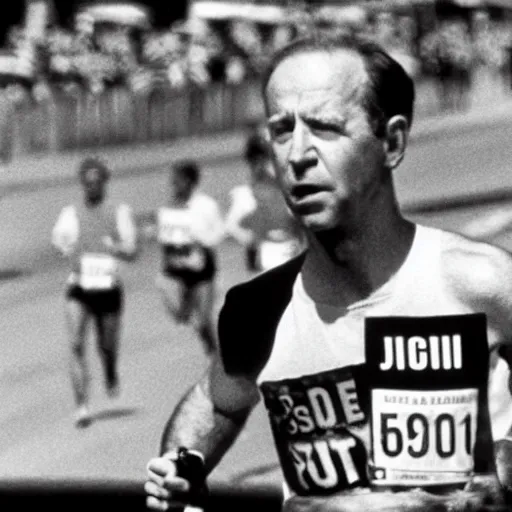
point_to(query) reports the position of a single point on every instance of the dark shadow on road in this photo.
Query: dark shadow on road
(114, 413)
(12, 273)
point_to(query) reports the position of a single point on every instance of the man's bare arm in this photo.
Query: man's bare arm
(211, 415)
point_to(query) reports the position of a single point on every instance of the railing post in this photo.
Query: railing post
(7, 120)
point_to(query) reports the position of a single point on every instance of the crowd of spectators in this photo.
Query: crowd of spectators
(189, 52)
(195, 53)
(457, 52)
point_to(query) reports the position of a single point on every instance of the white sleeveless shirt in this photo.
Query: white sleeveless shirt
(313, 339)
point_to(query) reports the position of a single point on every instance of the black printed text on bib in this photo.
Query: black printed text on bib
(315, 421)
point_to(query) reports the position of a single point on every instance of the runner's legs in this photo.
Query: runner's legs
(108, 326)
(183, 300)
(251, 257)
(176, 297)
(77, 319)
(203, 301)
(186, 294)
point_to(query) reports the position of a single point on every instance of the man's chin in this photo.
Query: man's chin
(317, 223)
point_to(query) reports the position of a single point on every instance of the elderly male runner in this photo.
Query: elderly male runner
(371, 348)
(189, 229)
(95, 235)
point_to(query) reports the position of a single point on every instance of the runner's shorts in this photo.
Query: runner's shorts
(98, 302)
(193, 277)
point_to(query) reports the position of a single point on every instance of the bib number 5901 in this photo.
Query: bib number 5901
(445, 435)
(424, 436)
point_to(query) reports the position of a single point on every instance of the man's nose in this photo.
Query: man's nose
(302, 155)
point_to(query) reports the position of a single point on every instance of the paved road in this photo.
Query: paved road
(160, 360)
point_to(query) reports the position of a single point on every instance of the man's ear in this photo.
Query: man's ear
(395, 140)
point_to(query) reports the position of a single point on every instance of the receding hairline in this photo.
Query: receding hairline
(382, 73)
(324, 44)
(331, 50)
(328, 52)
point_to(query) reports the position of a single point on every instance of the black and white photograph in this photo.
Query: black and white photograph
(256, 255)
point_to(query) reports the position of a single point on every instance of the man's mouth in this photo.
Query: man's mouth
(302, 191)
(306, 193)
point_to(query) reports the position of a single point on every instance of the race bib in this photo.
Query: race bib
(98, 271)
(427, 378)
(174, 227)
(317, 421)
(275, 252)
(423, 437)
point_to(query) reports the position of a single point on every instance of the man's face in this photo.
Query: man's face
(328, 161)
(94, 182)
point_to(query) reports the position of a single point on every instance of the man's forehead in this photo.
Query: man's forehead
(317, 73)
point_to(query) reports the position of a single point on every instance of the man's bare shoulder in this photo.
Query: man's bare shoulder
(476, 264)
(479, 274)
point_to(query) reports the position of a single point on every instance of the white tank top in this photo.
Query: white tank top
(339, 332)
(319, 346)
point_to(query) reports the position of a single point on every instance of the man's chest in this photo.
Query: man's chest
(351, 403)
(313, 338)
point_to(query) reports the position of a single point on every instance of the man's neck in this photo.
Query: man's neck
(343, 268)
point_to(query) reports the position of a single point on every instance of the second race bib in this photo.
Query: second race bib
(97, 271)
(427, 377)
(423, 437)
(174, 226)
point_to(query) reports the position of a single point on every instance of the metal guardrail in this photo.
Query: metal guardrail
(117, 116)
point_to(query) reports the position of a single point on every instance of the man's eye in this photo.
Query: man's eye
(323, 126)
(280, 129)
